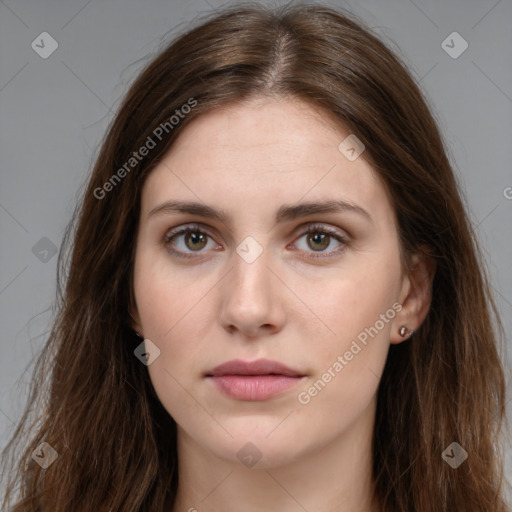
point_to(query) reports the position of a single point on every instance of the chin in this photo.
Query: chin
(255, 448)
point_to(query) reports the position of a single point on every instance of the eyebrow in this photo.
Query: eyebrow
(285, 212)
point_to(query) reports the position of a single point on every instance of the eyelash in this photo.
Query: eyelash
(312, 228)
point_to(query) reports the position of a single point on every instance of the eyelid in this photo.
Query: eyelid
(184, 228)
(308, 227)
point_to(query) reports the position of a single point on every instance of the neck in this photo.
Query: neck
(336, 475)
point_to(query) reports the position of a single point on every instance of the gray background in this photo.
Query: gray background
(54, 111)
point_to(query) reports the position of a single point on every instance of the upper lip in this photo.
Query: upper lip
(258, 367)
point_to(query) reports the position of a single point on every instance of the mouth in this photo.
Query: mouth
(253, 380)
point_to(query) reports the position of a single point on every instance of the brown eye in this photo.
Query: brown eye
(318, 242)
(318, 239)
(186, 241)
(194, 240)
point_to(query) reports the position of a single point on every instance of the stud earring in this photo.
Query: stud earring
(402, 331)
(138, 333)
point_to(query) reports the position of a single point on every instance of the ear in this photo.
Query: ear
(134, 321)
(415, 296)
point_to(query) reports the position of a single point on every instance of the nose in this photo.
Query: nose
(252, 299)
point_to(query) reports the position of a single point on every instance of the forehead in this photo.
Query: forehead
(254, 153)
(276, 129)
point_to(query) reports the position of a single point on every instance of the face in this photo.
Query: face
(317, 291)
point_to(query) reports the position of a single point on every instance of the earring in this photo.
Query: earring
(402, 331)
(138, 333)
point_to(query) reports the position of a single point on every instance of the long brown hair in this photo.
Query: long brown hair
(98, 410)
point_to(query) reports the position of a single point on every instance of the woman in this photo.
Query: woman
(274, 299)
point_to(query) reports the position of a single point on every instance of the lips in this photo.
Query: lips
(258, 367)
(253, 381)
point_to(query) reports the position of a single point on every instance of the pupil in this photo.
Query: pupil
(320, 239)
(196, 238)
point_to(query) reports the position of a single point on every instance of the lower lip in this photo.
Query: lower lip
(254, 388)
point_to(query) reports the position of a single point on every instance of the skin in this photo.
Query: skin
(250, 159)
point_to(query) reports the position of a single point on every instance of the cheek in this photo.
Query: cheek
(349, 367)
(359, 313)
(165, 295)
(177, 314)
(350, 304)
(173, 316)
